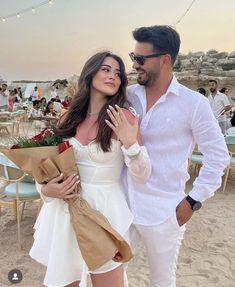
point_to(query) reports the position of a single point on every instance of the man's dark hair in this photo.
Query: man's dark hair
(223, 90)
(162, 37)
(202, 91)
(212, 81)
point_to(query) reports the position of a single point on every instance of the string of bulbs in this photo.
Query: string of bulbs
(32, 9)
(184, 14)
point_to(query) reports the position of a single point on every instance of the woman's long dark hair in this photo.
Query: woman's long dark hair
(47, 110)
(79, 107)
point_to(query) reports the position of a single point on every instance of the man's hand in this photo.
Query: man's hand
(183, 212)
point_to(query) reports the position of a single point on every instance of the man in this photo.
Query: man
(4, 97)
(34, 94)
(173, 119)
(53, 94)
(219, 104)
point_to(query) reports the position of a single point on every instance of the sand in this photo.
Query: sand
(207, 256)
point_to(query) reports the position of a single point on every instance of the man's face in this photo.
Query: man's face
(150, 71)
(212, 87)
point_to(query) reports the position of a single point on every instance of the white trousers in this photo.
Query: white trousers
(223, 126)
(162, 243)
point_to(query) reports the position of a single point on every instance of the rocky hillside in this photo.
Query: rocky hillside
(195, 69)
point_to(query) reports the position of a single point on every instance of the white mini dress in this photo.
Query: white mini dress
(55, 244)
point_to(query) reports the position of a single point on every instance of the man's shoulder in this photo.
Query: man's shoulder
(221, 95)
(190, 95)
(134, 92)
(133, 88)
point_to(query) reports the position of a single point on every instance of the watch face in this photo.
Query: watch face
(197, 206)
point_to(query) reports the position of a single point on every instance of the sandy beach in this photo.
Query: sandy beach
(207, 256)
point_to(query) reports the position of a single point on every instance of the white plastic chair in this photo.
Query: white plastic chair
(231, 131)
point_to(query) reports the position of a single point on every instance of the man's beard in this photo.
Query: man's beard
(212, 90)
(142, 82)
(149, 79)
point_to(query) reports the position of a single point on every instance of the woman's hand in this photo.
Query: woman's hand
(63, 190)
(124, 130)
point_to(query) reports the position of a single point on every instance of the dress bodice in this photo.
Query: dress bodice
(96, 166)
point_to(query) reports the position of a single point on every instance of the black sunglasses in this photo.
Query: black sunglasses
(141, 59)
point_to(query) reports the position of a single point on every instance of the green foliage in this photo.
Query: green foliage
(51, 140)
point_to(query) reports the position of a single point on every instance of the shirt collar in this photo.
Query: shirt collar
(173, 87)
(217, 93)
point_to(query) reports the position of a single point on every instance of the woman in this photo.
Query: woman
(103, 137)
(11, 100)
(43, 104)
(49, 110)
(65, 102)
(37, 113)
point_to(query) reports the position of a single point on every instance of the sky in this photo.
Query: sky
(55, 41)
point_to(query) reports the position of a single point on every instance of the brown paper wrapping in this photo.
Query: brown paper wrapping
(97, 240)
(29, 159)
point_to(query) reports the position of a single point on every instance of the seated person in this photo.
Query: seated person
(50, 110)
(36, 112)
(66, 102)
(43, 103)
(57, 99)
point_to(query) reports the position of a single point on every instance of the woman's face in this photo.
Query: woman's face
(107, 80)
(51, 107)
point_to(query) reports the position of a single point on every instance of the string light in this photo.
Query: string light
(184, 14)
(32, 9)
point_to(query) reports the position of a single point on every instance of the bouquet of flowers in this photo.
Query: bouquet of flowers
(46, 156)
(35, 156)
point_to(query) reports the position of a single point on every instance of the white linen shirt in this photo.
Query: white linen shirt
(170, 129)
(4, 98)
(218, 103)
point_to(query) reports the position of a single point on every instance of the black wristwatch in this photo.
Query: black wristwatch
(195, 205)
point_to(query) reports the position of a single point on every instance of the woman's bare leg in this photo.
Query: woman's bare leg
(112, 278)
(74, 284)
